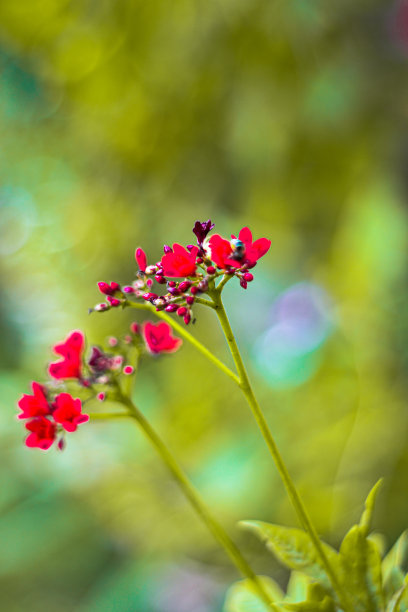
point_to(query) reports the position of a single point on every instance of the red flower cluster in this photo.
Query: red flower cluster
(49, 417)
(198, 267)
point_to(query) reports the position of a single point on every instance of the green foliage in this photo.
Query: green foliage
(372, 584)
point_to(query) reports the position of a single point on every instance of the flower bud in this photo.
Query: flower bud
(115, 287)
(182, 311)
(243, 283)
(128, 289)
(174, 291)
(105, 288)
(190, 246)
(187, 318)
(194, 290)
(203, 285)
(248, 277)
(190, 300)
(112, 341)
(199, 260)
(100, 307)
(134, 328)
(172, 283)
(171, 308)
(113, 301)
(141, 259)
(149, 296)
(167, 249)
(151, 270)
(184, 285)
(159, 278)
(128, 369)
(210, 270)
(101, 396)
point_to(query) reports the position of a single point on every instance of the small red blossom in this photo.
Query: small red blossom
(108, 289)
(71, 351)
(34, 405)
(241, 251)
(43, 433)
(159, 339)
(180, 262)
(68, 412)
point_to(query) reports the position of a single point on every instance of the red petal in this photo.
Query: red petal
(246, 236)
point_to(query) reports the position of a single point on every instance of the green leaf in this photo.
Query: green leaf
(398, 602)
(294, 549)
(361, 564)
(243, 597)
(366, 518)
(394, 561)
(326, 605)
(296, 590)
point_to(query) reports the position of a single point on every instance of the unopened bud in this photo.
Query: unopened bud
(105, 288)
(101, 396)
(194, 290)
(248, 277)
(243, 283)
(128, 289)
(187, 318)
(113, 301)
(199, 260)
(151, 270)
(184, 285)
(134, 328)
(181, 311)
(112, 341)
(160, 279)
(210, 270)
(190, 299)
(149, 296)
(141, 260)
(128, 369)
(172, 283)
(167, 249)
(171, 308)
(203, 285)
(100, 307)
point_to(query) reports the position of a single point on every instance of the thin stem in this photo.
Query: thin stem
(294, 496)
(189, 337)
(195, 500)
(105, 416)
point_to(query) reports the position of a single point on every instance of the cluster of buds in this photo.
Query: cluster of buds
(50, 413)
(198, 266)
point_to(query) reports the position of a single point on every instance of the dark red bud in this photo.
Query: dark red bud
(113, 301)
(174, 291)
(183, 286)
(190, 246)
(171, 308)
(160, 279)
(243, 283)
(149, 296)
(167, 249)
(199, 260)
(187, 318)
(248, 277)
(105, 288)
(115, 287)
(182, 311)
(190, 300)
(194, 290)
(210, 270)
(61, 444)
(172, 283)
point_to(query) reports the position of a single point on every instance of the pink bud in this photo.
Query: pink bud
(171, 308)
(134, 328)
(183, 286)
(105, 288)
(199, 260)
(149, 296)
(248, 277)
(172, 283)
(181, 311)
(128, 289)
(190, 246)
(101, 396)
(115, 287)
(141, 259)
(149, 283)
(187, 318)
(117, 361)
(151, 270)
(128, 369)
(113, 301)
(61, 444)
(112, 341)
(243, 283)
(194, 290)
(128, 339)
(190, 299)
(174, 291)
(210, 270)
(160, 279)
(167, 249)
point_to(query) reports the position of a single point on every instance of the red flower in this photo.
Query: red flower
(34, 405)
(71, 351)
(159, 339)
(239, 251)
(180, 262)
(68, 413)
(43, 433)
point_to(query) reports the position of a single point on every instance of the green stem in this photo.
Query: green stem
(294, 496)
(105, 416)
(195, 500)
(189, 337)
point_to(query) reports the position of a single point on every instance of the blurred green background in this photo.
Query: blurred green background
(122, 122)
